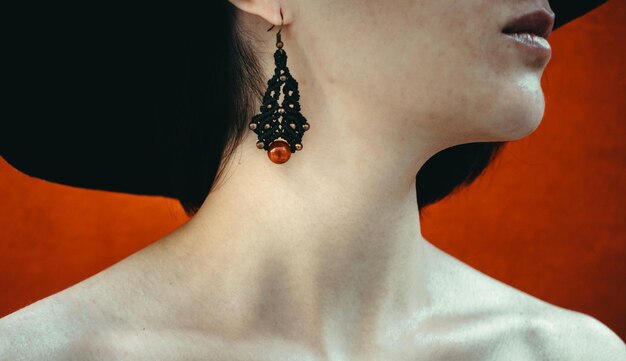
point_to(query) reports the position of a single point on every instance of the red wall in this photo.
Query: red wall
(548, 218)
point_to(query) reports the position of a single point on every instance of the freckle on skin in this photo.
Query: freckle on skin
(431, 116)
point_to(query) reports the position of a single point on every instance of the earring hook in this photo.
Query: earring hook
(281, 22)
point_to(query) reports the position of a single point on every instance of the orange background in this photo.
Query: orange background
(548, 217)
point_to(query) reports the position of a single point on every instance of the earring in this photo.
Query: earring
(280, 127)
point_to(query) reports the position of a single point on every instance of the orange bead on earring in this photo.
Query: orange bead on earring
(279, 152)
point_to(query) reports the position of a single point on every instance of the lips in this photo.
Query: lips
(538, 22)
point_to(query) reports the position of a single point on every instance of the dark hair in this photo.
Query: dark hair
(222, 84)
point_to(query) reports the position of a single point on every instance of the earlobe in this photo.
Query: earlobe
(267, 9)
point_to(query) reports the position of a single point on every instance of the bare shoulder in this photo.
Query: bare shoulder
(62, 326)
(43, 330)
(572, 335)
(517, 322)
(117, 312)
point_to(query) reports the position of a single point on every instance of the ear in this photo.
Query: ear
(269, 10)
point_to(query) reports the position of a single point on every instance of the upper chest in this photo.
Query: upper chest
(443, 337)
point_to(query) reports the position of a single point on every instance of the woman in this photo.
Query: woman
(322, 257)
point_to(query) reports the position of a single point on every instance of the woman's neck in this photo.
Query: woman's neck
(308, 250)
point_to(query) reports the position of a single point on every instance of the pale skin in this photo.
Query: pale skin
(322, 258)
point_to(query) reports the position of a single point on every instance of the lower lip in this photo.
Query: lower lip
(531, 42)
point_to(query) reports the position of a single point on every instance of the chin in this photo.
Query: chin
(520, 118)
(523, 127)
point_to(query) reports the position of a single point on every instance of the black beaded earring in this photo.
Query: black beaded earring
(280, 128)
